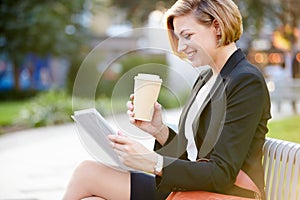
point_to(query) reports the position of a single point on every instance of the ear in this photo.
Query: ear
(216, 26)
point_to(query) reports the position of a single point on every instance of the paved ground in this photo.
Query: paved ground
(36, 164)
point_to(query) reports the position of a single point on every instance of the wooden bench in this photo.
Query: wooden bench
(281, 163)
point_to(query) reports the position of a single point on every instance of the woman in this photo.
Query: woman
(203, 32)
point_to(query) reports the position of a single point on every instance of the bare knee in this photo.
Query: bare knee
(86, 165)
(83, 176)
(91, 178)
(87, 168)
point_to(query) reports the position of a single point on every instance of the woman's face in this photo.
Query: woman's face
(198, 42)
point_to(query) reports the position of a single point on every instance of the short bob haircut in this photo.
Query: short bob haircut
(225, 12)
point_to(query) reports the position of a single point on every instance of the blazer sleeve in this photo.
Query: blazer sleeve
(243, 115)
(169, 148)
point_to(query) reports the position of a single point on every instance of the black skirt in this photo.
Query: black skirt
(143, 187)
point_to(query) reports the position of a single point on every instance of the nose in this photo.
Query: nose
(181, 46)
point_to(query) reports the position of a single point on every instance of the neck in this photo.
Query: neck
(222, 54)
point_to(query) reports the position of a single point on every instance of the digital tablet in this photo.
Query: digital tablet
(92, 123)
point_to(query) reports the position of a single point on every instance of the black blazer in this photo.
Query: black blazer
(241, 98)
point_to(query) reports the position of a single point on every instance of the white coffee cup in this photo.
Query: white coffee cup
(146, 91)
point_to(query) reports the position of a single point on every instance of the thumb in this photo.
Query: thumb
(157, 108)
(121, 134)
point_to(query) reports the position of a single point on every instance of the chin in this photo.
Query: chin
(196, 64)
(200, 66)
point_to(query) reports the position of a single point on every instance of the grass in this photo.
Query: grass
(9, 111)
(285, 129)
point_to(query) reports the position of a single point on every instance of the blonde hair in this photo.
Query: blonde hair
(225, 12)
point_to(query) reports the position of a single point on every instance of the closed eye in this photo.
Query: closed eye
(187, 36)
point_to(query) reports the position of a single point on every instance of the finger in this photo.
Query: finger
(157, 109)
(112, 139)
(132, 120)
(130, 113)
(121, 149)
(130, 105)
(112, 144)
(157, 106)
(131, 97)
(119, 139)
(131, 117)
(121, 154)
(117, 147)
(122, 134)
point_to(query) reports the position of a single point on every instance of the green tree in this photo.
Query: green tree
(286, 15)
(253, 12)
(138, 10)
(40, 27)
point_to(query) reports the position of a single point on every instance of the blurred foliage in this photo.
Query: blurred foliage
(47, 108)
(131, 64)
(138, 10)
(285, 15)
(41, 27)
(252, 12)
(282, 15)
(55, 107)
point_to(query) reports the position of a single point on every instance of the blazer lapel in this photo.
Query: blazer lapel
(199, 83)
(217, 99)
(215, 91)
(203, 78)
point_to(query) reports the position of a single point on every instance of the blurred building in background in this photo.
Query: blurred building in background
(36, 73)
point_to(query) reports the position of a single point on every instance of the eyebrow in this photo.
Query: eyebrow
(181, 32)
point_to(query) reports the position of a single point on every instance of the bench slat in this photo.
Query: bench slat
(281, 163)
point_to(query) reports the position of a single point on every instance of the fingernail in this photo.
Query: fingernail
(111, 137)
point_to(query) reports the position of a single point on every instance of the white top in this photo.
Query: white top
(192, 150)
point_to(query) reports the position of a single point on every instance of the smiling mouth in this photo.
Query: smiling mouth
(191, 54)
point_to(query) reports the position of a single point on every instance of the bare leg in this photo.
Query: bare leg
(92, 179)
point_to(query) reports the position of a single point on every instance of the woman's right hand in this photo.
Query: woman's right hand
(153, 127)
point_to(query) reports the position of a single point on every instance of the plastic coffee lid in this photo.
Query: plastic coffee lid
(148, 77)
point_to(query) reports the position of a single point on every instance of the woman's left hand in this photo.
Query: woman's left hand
(132, 153)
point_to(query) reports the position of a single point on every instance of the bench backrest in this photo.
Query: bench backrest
(281, 162)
